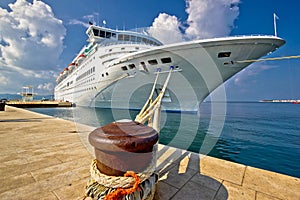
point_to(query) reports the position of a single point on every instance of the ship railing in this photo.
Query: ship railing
(124, 42)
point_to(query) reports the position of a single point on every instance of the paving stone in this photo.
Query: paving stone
(164, 191)
(192, 161)
(167, 155)
(262, 196)
(207, 181)
(222, 169)
(39, 196)
(15, 182)
(196, 191)
(273, 184)
(74, 191)
(48, 172)
(176, 179)
(234, 191)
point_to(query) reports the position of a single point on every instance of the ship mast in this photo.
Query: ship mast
(275, 17)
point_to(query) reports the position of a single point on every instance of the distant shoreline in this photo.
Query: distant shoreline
(281, 101)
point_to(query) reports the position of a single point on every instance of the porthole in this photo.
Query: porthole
(153, 62)
(224, 54)
(166, 60)
(131, 66)
(124, 68)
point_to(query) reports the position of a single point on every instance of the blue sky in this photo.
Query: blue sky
(39, 38)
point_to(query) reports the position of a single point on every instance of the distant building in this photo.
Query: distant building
(27, 93)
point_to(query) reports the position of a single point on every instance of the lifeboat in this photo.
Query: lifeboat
(80, 59)
(71, 66)
(65, 71)
(58, 79)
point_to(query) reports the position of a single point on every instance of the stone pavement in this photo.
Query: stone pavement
(44, 158)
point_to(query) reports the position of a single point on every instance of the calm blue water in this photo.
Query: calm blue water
(263, 135)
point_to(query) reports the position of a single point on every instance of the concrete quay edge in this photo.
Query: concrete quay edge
(43, 157)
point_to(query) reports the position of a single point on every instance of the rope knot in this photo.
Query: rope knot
(120, 192)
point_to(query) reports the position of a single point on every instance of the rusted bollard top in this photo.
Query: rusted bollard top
(126, 135)
(124, 146)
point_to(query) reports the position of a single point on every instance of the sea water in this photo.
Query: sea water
(263, 135)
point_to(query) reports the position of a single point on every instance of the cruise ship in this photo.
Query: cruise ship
(117, 68)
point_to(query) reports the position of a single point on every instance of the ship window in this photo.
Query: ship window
(108, 34)
(106, 74)
(166, 60)
(123, 48)
(224, 54)
(132, 38)
(102, 34)
(131, 66)
(152, 62)
(126, 37)
(113, 35)
(96, 32)
(138, 39)
(144, 40)
(124, 68)
(120, 37)
(137, 48)
(102, 75)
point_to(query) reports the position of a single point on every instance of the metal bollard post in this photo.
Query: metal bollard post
(123, 148)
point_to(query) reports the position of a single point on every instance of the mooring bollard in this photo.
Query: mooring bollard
(125, 161)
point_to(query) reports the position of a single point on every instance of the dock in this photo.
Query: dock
(38, 104)
(43, 157)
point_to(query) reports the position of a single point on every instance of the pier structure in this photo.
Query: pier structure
(43, 157)
(27, 93)
(39, 104)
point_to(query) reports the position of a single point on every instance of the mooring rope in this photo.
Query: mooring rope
(120, 192)
(268, 59)
(115, 181)
(149, 101)
(145, 113)
(131, 185)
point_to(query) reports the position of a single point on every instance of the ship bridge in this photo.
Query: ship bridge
(107, 35)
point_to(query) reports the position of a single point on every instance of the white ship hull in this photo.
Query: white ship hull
(124, 80)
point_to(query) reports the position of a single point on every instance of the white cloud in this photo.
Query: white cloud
(32, 38)
(46, 86)
(166, 29)
(211, 18)
(31, 42)
(85, 20)
(3, 79)
(78, 22)
(206, 19)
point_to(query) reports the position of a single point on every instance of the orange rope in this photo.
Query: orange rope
(120, 192)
